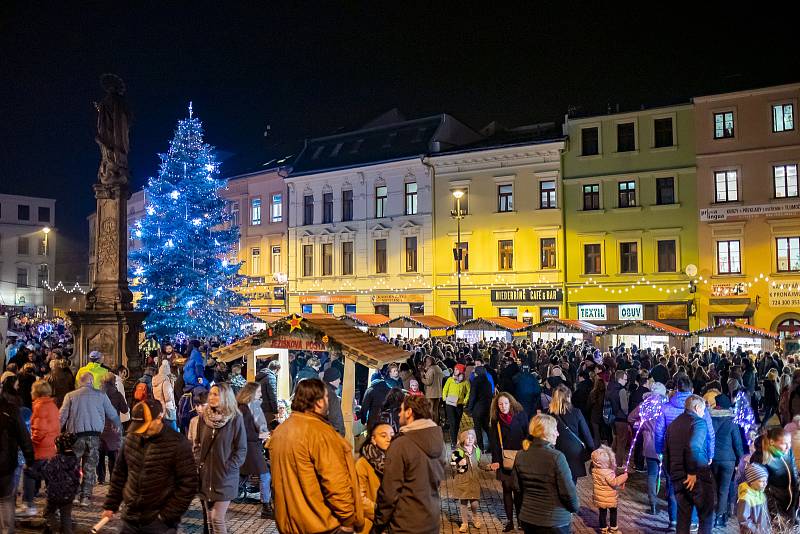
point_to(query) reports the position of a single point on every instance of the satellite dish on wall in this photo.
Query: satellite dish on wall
(691, 270)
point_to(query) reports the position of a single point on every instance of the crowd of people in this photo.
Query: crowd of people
(719, 429)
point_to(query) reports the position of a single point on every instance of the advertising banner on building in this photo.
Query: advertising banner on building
(397, 298)
(528, 294)
(784, 294)
(727, 213)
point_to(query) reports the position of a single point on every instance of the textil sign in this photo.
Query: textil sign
(725, 213)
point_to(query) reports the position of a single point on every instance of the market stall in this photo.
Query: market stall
(489, 328)
(731, 336)
(413, 327)
(646, 334)
(366, 322)
(554, 329)
(324, 334)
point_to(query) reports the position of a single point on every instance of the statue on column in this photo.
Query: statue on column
(113, 123)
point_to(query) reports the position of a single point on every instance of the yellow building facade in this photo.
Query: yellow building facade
(511, 231)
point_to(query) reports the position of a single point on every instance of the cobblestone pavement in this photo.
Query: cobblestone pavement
(244, 518)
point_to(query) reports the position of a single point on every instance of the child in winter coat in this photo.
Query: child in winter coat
(751, 509)
(466, 461)
(606, 486)
(62, 474)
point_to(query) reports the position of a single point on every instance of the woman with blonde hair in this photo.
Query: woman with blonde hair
(574, 438)
(542, 477)
(221, 445)
(509, 426)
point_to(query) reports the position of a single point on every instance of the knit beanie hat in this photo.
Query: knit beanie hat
(755, 472)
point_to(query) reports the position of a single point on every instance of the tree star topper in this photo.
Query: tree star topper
(294, 323)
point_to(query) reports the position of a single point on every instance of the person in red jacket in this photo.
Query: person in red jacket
(44, 430)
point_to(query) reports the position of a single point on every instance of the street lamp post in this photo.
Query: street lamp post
(458, 252)
(46, 231)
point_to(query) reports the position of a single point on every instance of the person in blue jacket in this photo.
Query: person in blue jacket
(194, 370)
(674, 407)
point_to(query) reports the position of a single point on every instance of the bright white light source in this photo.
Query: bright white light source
(169, 243)
(151, 210)
(196, 221)
(209, 167)
(224, 263)
(190, 304)
(175, 194)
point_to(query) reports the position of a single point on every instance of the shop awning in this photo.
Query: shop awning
(575, 326)
(365, 319)
(735, 330)
(647, 327)
(427, 322)
(505, 324)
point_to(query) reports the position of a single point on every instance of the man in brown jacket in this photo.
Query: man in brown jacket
(313, 472)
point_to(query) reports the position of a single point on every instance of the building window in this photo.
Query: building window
(411, 254)
(782, 117)
(23, 246)
(349, 309)
(548, 248)
(42, 241)
(381, 309)
(667, 256)
(505, 253)
(629, 257)
(591, 259)
(590, 141)
(547, 313)
(729, 260)
(723, 125)
(411, 198)
(416, 308)
(505, 197)
(665, 191)
(327, 259)
(788, 254)
(547, 194)
(327, 208)
(626, 137)
(785, 178)
(42, 275)
(511, 313)
(329, 309)
(380, 256)
(308, 260)
(464, 202)
(255, 211)
(627, 194)
(463, 248)
(276, 259)
(591, 197)
(308, 209)
(380, 201)
(727, 190)
(662, 132)
(255, 261)
(277, 208)
(347, 258)
(235, 213)
(23, 213)
(307, 308)
(22, 277)
(347, 205)
(44, 214)
(466, 315)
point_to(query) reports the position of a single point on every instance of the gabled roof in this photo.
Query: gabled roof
(746, 330)
(566, 325)
(366, 319)
(492, 323)
(428, 322)
(647, 327)
(381, 142)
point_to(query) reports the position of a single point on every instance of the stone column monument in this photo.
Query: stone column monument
(109, 323)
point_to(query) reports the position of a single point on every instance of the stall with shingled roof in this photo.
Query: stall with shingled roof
(553, 329)
(646, 334)
(415, 326)
(735, 335)
(504, 328)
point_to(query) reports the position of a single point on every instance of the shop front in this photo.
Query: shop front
(528, 304)
(335, 305)
(674, 314)
(646, 334)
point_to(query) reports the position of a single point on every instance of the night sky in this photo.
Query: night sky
(308, 69)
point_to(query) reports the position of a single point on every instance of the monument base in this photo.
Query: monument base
(114, 333)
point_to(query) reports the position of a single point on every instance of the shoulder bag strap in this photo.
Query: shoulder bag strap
(572, 432)
(500, 435)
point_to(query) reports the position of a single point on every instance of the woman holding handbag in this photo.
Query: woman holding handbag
(574, 438)
(509, 426)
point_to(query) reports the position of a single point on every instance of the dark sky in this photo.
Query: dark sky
(310, 68)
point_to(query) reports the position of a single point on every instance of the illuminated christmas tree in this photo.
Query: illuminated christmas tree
(184, 269)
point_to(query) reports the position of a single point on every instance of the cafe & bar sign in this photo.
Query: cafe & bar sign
(528, 294)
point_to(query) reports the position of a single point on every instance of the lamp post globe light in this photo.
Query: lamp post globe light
(282, 279)
(458, 252)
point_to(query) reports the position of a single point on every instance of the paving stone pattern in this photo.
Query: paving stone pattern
(245, 518)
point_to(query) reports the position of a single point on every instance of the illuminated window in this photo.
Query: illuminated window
(276, 259)
(380, 201)
(723, 125)
(729, 260)
(547, 194)
(505, 198)
(255, 261)
(782, 117)
(788, 254)
(255, 211)
(627, 194)
(785, 177)
(591, 197)
(726, 187)
(277, 208)
(505, 254)
(411, 254)
(411, 198)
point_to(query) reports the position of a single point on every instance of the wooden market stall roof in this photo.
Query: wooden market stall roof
(724, 330)
(366, 319)
(567, 326)
(647, 327)
(427, 322)
(355, 344)
(492, 323)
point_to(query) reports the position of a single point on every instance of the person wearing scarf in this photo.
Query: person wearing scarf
(774, 452)
(369, 469)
